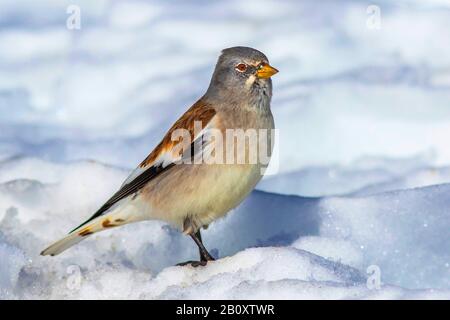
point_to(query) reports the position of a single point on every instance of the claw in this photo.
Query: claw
(194, 264)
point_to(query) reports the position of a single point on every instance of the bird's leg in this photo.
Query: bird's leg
(199, 237)
(204, 254)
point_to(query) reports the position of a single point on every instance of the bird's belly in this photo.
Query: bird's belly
(202, 192)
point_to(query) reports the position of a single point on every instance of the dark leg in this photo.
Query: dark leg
(204, 254)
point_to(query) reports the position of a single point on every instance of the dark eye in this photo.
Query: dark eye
(241, 67)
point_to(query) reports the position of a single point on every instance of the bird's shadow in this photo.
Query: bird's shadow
(264, 219)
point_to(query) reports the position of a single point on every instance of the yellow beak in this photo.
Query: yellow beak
(266, 71)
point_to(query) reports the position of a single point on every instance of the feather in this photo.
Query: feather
(162, 158)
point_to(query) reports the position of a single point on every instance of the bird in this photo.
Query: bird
(175, 183)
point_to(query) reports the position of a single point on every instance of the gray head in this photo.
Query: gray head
(242, 73)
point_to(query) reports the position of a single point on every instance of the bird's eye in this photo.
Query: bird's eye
(241, 67)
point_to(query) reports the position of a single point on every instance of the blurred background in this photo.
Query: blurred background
(358, 80)
(362, 104)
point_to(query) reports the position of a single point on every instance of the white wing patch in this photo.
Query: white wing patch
(168, 157)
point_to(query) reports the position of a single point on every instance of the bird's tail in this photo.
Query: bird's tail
(98, 224)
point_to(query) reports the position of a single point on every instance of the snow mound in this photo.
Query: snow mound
(268, 273)
(12, 260)
(367, 175)
(272, 246)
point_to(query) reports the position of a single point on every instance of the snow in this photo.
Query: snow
(273, 245)
(363, 155)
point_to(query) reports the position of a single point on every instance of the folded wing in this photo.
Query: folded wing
(166, 154)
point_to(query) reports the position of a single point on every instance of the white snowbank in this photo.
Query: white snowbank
(303, 247)
(367, 175)
(11, 263)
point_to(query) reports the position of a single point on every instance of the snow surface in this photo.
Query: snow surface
(364, 119)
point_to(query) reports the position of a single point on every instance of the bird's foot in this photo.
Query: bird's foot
(195, 264)
(192, 263)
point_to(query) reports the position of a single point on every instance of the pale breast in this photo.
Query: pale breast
(206, 191)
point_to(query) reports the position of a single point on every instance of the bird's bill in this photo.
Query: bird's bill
(266, 71)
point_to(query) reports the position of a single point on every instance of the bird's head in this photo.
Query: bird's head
(242, 71)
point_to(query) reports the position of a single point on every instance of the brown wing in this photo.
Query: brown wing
(198, 112)
(151, 167)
